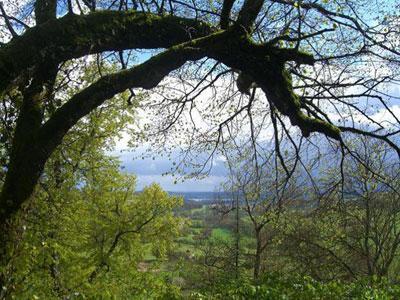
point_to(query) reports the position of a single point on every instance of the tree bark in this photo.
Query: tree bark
(257, 257)
(74, 36)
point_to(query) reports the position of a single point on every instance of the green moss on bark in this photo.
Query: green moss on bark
(74, 36)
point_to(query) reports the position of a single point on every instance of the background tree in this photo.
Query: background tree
(354, 235)
(262, 192)
(87, 231)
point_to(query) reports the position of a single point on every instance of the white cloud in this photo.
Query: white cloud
(384, 116)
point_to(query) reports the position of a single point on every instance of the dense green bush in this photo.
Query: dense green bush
(275, 287)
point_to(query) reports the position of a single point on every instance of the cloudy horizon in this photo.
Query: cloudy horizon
(151, 169)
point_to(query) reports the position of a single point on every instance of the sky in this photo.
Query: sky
(150, 171)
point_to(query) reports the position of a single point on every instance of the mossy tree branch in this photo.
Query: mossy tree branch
(23, 175)
(146, 76)
(45, 10)
(264, 63)
(74, 36)
(226, 13)
(249, 12)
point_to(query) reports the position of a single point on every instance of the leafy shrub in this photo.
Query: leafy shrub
(275, 287)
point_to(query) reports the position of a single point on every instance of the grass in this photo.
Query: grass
(221, 233)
